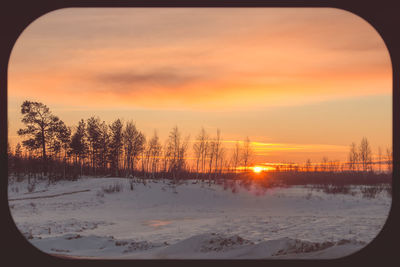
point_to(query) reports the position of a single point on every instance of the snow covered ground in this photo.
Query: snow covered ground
(194, 220)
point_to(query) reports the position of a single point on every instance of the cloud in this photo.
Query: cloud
(199, 58)
(163, 77)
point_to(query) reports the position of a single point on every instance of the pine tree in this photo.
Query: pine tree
(78, 145)
(41, 127)
(116, 143)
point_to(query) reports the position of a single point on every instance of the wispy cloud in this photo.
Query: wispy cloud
(163, 77)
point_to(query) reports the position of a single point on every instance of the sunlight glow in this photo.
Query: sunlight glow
(257, 169)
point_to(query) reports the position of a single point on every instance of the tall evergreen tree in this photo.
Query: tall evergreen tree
(78, 145)
(41, 125)
(104, 142)
(116, 143)
(93, 137)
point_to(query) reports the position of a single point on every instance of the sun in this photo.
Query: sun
(257, 169)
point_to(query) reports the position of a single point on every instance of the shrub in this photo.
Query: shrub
(116, 187)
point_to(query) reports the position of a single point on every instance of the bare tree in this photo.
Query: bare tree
(389, 157)
(154, 153)
(199, 147)
(166, 156)
(325, 163)
(236, 158)
(201, 151)
(365, 154)
(247, 153)
(211, 158)
(308, 165)
(353, 157)
(217, 150)
(380, 159)
(177, 149)
(222, 161)
(134, 144)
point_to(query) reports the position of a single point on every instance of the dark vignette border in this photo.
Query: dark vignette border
(17, 15)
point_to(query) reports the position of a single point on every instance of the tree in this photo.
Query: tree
(134, 142)
(9, 152)
(201, 149)
(154, 149)
(78, 145)
(217, 150)
(353, 157)
(116, 143)
(247, 153)
(325, 163)
(64, 137)
(104, 142)
(41, 125)
(223, 164)
(93, 137)
(365, 154)
(308, 165)
(211, 156)
(236, 160)
(59, 138)
(380, 159)
(389, 157)
(177, 151)
(17, 159)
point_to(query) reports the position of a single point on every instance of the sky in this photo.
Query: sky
(301, 83)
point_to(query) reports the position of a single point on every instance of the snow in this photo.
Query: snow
(193, 220)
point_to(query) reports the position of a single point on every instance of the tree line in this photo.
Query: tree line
(93, 147)
(360, 159)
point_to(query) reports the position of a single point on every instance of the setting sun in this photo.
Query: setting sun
(257, 169)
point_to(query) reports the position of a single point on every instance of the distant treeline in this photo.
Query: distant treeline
(94, 148)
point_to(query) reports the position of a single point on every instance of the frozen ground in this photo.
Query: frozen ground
(193, 221)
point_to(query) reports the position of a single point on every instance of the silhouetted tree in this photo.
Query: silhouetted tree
(93, 136)
(134, 143)
(247, 153)
(104, 143)
(365, 154)
(154, 149)
(78, 145)
(325, 163)
(41, 125)
(353, 157)
(389, 157)
(116, 143)
(308, 165)
(17, 160)
(379, 159)
(177, 149)
(217, 151)
(236, 158)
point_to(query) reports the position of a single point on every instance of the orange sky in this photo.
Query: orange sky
(311, 80)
